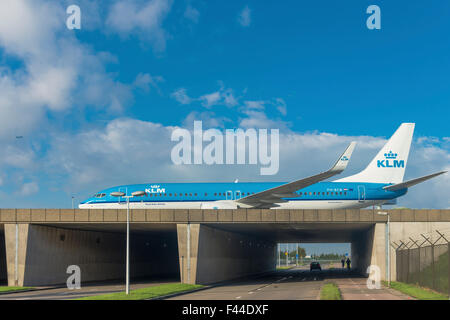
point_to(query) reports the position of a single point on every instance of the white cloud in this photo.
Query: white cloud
(254, 105)
(57, 71)
(29, 188)
(210, 99)
(244, 17)
(281, 106)
(144, 18)
(223, 96)
(191, 14)
(134, 151)
(209, 120)
(181, 96)
(145, 81)
(258, 119)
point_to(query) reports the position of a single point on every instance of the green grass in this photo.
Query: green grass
(330, 291)
(416, 291)
(146, 293)
(284, 267)
(12, 289)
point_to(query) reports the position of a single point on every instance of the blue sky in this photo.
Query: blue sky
(96, 106)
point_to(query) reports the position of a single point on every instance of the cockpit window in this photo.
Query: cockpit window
(99, 195)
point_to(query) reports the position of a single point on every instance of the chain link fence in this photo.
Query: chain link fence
(425, 263)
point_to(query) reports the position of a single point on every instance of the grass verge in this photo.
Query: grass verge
(146, 293)
(284, 267)
(330, 291)
(4, 289)
(416, 291)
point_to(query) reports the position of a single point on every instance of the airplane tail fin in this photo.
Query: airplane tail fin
(389, 164)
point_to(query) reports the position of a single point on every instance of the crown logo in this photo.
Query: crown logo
(390, 155)
(344, 158)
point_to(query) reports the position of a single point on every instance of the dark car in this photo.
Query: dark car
(315, 266)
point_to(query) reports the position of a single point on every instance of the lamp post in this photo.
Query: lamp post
(388, 249)
(122, 194)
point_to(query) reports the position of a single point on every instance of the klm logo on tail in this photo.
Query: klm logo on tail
(390, 161)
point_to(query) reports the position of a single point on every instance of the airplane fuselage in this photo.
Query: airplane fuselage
(322, 195)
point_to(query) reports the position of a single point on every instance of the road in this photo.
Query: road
(86, 290)
(291, 284)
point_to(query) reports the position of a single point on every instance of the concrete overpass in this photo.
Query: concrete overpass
(198, 246)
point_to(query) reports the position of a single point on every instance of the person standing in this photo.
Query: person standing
(343, 262)
(348, 263)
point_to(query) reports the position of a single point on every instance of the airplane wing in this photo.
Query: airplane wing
(270, 197)
(413, 182)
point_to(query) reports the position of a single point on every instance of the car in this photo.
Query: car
(315, 266)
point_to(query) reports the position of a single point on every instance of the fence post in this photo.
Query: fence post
(407, 269)
(418, 269)
(432, 266)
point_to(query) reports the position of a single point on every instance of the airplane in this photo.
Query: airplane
(379, 183)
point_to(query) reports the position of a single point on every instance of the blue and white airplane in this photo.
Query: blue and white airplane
(380, 182)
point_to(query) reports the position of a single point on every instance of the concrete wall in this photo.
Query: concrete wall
(45, 253)
(368, 248)
(45, 216)
(402, 231)
(3, 274)
(216, 255)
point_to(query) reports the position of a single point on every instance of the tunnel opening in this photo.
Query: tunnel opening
(3, 271)
(99, 250)
(154, 256)
(302, 255)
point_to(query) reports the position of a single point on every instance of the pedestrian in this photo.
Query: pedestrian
(343, 262)
(348, 263)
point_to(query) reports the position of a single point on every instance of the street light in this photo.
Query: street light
(133, 194)
(388, 249)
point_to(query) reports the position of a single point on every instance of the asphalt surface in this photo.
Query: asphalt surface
(291, 284)
(86, 290)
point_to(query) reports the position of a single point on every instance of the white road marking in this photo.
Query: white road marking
(238, 297)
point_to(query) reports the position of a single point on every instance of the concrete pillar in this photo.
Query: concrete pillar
(368, 248)
(3, 274)
(15, 256)
(210, 255)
